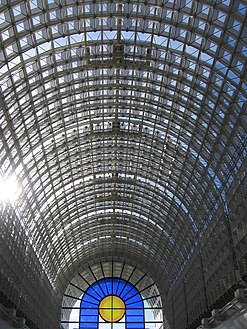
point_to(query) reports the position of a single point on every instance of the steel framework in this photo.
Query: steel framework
(124, 125)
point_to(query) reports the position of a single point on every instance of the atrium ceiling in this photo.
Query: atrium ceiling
(123, 123)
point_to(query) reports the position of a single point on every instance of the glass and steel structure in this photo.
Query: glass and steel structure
(123, 124)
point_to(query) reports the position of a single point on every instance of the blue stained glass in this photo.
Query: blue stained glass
(89, 304)
(132, 293)
(121, 286)
(134, 326)
(88, 325)
(102, 288)
(125, 291)
(91, 299)
(136, 317)
(89, 312)
(132, 299)
(138, 312)
(109, 286)
(116, 285)
(99, 290)
(89, 316)
(134, 312)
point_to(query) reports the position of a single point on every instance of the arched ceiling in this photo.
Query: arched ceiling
(123, 123)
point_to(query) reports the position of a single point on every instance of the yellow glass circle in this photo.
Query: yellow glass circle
(112, 308)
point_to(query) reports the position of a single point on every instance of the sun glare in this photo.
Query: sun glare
(9, 189)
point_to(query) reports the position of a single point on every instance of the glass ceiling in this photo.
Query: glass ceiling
(123, 123)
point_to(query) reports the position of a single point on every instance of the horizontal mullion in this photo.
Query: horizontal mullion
(146, 322)
(106, 308)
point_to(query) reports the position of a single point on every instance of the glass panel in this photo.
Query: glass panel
(111, 302)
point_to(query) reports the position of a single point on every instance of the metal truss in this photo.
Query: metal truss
(124, 124)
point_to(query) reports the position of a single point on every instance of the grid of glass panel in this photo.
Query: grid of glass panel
(124, 124)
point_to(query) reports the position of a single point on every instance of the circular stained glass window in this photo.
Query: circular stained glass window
(112, 308)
